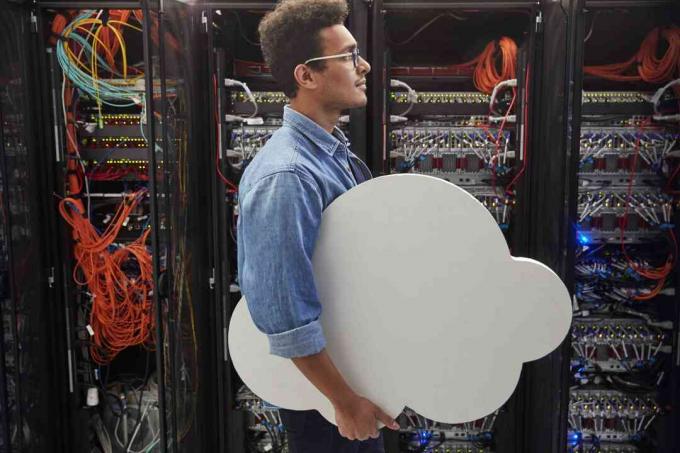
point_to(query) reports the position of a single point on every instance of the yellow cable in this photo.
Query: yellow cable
(108, 51)
(123, 51)
(94, 70)
(126, 24)
(90, 21)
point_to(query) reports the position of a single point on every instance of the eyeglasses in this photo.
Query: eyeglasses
(354, 54)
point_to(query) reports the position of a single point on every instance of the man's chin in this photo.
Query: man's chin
(361, 102)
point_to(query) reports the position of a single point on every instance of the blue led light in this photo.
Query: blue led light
(582, 238)
(575, 437)
(424, 437)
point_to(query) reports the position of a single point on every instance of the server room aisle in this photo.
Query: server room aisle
(126, 126)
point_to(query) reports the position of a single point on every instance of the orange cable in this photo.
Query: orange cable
(121, 310)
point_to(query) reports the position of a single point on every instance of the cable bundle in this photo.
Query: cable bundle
(116, 172)
(119, 278)
(659, 274)
(482, 67)
(88, 46)
(486, 77)
(645, 65)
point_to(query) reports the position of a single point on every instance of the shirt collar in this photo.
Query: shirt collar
(327, 142)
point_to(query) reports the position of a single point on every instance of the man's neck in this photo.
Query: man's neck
(324, 118)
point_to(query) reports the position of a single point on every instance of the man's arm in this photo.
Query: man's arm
(355, 416)
(278, 226)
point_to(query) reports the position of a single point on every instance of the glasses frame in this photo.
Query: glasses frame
(354, 54)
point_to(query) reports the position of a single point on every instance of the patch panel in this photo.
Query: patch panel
(444, 446)
(616, 345)
(461, 155)
(615, 97)
(478, 430)
(616, 102)
(613, 266)
(604, 448)
(611, 415)
(246, 141)
(608, 210)
(616, 149)
(624, 215)
(442, 97)
(269, 103)
(261, 97)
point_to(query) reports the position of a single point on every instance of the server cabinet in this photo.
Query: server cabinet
(242, 119)
(29, 390)
(624, 360)
(107, 142)
(455, 95)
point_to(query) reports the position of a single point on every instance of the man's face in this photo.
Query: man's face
(341, 85)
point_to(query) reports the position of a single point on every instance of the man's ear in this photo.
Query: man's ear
(305, 77)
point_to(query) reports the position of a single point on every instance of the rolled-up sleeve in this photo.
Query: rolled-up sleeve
(278, 226)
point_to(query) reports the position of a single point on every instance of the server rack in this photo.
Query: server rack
(150, 147)
(535, 27)
(610, 103)
(29, 391)
(235, 59)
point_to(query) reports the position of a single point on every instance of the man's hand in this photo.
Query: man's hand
(357, 418)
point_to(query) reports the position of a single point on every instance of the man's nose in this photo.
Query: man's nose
(364, 67)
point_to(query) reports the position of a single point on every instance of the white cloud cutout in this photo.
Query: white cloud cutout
(423, 306)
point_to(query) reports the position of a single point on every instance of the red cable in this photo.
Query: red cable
(662, 272)
(498, 142)
(525, 135)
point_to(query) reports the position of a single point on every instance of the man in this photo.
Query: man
(303, 167)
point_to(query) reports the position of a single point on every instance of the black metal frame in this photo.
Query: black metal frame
(627, 3)
(488, 5)
(358, 119)
(261, 5)
(155, 246)
(51, 403)
(552, 191)
(231, 423)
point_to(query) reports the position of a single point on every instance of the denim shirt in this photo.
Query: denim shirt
(284, 190)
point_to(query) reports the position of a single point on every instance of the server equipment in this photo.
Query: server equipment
(246, 108)
(452, 99)
(125, 127)
(624, 336)
(111, 102)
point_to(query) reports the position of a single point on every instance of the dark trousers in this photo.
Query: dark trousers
(309, 432)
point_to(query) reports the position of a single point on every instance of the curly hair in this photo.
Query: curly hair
(285, 36)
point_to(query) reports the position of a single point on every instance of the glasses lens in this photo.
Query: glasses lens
(355, 57)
